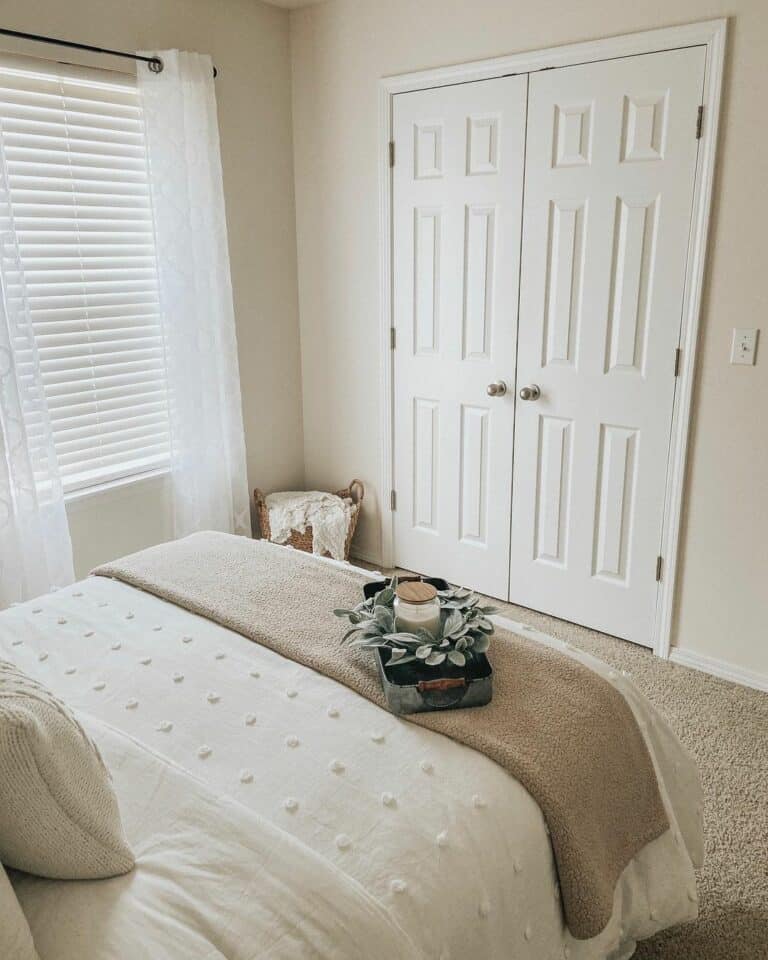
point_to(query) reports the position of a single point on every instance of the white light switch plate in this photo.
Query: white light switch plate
(743, 345)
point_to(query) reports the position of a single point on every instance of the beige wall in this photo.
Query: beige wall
(339, 51)
(117, 521)
(248, 41)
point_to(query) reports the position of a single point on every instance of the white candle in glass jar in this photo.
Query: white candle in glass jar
(417, 607)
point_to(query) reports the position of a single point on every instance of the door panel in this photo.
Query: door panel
(457, 211)
(609, 175)
(553, 489)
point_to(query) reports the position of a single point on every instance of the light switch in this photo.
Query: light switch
(743, 346)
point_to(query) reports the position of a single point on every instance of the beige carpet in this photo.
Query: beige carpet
(726, 728)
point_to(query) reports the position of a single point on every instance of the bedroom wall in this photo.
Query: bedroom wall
(248, 41)
(339, 51)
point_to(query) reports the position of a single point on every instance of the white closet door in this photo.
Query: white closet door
(610, 164)
(457, 217)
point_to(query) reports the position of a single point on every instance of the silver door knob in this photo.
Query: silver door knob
(496, 389)
(531, 392)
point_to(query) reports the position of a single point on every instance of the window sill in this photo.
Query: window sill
(110, 486)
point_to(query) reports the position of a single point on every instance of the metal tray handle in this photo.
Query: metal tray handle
(443, 683)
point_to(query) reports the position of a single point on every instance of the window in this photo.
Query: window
(79, 256)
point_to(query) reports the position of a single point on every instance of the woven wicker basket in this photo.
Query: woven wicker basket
(303, 541)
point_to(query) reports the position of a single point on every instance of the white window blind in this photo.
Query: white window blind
(79, 258)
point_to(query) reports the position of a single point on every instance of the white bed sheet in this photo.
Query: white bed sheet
(443, 838)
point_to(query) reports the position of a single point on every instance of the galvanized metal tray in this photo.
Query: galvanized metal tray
(414, 688)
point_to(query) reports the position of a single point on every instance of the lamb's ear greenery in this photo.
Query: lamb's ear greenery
(384, 598)
(457, 658)
(464, 628)
(482, 644)
(435, 659)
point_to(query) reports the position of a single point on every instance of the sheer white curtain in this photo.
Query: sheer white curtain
(35, 548)
(208, 471)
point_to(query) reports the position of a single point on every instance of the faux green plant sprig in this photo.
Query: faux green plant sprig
(464, 632)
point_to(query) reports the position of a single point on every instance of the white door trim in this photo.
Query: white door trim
(711, 34)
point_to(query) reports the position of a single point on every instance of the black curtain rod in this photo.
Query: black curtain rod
(155, 64)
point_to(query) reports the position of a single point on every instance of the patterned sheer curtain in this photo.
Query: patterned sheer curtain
(35, 547)
(208, 470)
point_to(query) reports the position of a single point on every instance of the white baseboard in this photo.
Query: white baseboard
(719, 668)
(366, 558)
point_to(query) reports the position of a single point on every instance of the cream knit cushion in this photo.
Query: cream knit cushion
(15, 937)
(58, 813)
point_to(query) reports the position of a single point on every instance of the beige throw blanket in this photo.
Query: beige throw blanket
(564, 732)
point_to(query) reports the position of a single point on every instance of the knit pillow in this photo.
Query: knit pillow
(58, 813)
(15, 936)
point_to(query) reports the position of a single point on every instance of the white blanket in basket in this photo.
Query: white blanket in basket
(328, 515)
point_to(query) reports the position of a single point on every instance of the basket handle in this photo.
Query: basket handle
(357, 491)
(258, 497)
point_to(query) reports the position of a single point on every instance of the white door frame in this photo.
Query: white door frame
(711, 34)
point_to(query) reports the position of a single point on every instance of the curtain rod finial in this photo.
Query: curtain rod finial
(155, 65)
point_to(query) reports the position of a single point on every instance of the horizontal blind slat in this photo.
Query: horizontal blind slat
(66, 144)
(110, 453)
(109, 385)
(89, 432)
(115, 409)
(91, 412)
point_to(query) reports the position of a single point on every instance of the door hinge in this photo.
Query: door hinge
(699, 121)
(659, 563)
(392, 338)
(678, 355)
(391, 153)
(392, 500)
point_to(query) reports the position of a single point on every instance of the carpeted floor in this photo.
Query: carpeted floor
(726, 728)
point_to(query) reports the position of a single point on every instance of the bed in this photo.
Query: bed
(275, 813)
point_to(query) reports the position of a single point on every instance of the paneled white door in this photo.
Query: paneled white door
(457, 202)
(609, 177)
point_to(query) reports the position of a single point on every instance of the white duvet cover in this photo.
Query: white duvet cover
(391, 840)
(214, 880)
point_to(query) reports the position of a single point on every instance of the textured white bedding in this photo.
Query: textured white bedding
(441, 839)
(214, 880)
